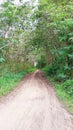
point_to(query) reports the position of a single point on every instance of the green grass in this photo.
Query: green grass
(67, 99)
(9, 80)
(63, 96)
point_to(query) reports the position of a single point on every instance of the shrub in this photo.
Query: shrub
(67, 86)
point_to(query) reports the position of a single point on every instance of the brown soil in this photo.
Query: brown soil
(33, 105)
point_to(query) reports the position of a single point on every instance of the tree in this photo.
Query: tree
(15, 28)
(54, 32)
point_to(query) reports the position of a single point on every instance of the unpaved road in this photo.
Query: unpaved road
(33, 106)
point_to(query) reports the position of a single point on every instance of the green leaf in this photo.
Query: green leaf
(70, 55)
(2, 60)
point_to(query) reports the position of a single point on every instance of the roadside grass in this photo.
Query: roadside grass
(63, 96)
(9, 80)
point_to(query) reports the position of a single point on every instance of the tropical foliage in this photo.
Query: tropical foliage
(41, 34)
(54, 32)
(15, 30)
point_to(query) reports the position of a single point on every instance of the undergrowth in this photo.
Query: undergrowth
(9, 80)
(64, 91)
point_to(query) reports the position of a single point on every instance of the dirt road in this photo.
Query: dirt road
(33, 106)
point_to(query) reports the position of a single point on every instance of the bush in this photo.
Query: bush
(56, 70)
(67, 86)
(61, 76)
(51, 70)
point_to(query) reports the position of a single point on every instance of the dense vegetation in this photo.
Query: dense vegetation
(41, 34)
(54, 33)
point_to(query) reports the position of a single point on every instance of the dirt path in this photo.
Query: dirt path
(33, 106)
